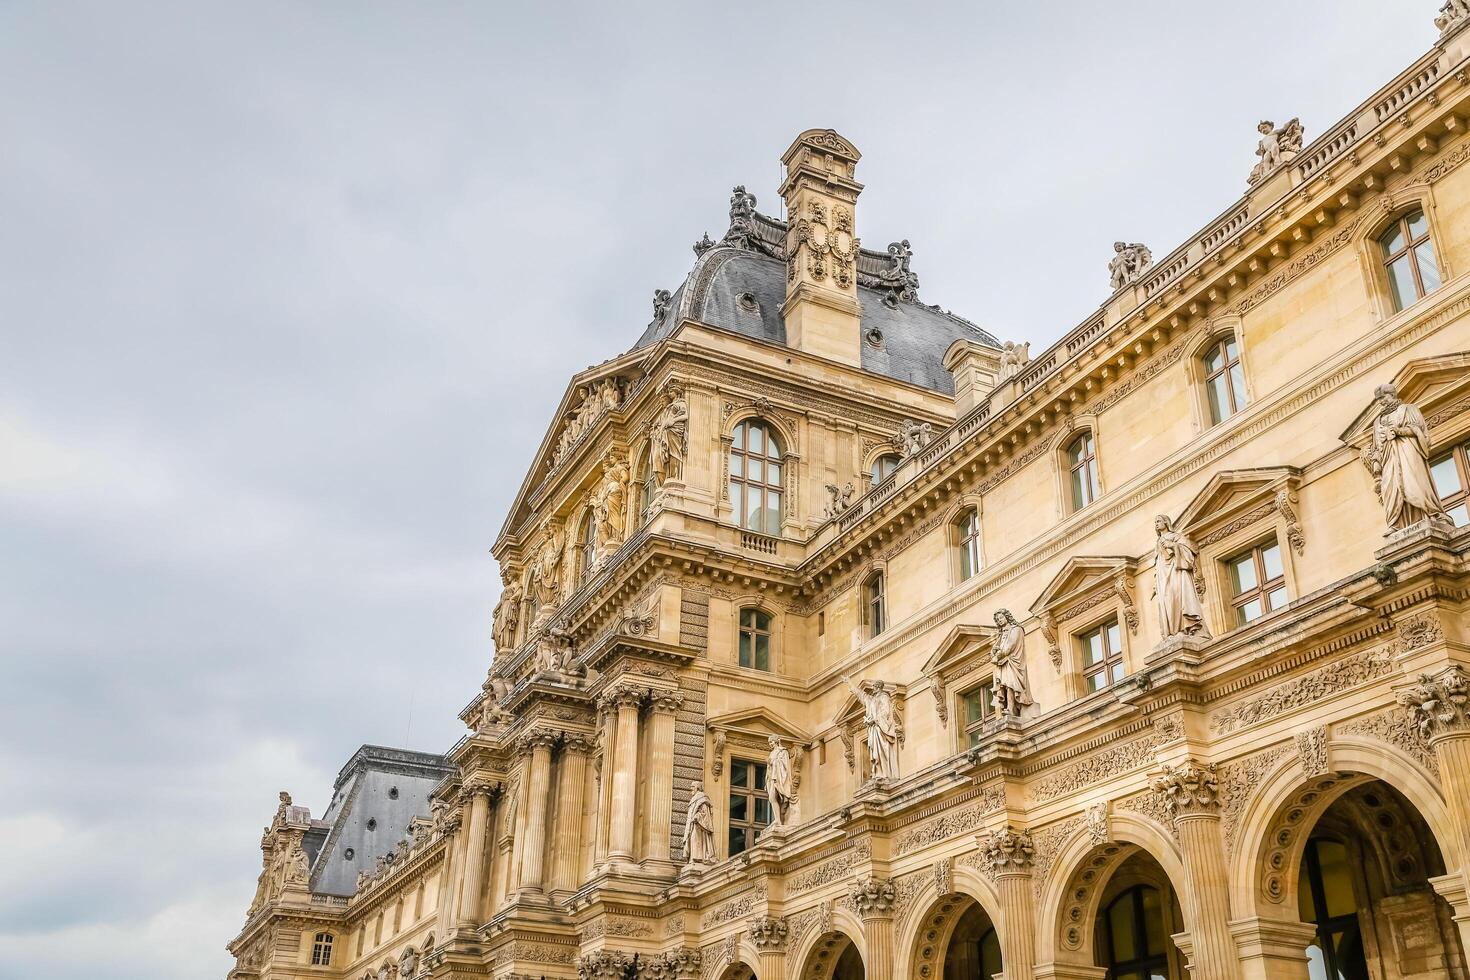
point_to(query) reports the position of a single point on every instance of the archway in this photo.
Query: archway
(738, 970)
(834, 956)
(1138, 914)
(957, 940)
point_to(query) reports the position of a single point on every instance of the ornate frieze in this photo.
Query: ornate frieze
(948, 825)
(736, 908)
(1047, 844)
(1439, 704)
(1294, 270)
(1330, 679)
(1311, 750)
(1105, 764)
(1395, 727)
(1238, 780)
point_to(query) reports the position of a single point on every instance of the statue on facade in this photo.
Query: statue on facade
(668, 437)
(913, 436)
(298, 868)
(1013, 357)
(1399, 461)
(1276, 146)
(1128, 263)
(699, 827)
(1177, 583)
(548, 566)
(556, 653)
(880, 718)
(1012, 683)
(507, 617)
(1452, 14)
(839, 498)
(408, 962)
(610, 505)
(780, 786)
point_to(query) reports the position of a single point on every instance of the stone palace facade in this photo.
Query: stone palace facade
(840, 640)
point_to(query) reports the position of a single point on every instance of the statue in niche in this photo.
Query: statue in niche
(1012, 683)
(668, 439)
(779, 783)
(1276, 146)
(1128, 263)
(556, 653)
(548, 566)
(699, 827)
(913, 436)
(610, 505)
(408, 962)
(1177, 583)
(507, 617)
(1399, 461)
(1013, 357)
(880, 718)
(298, 869)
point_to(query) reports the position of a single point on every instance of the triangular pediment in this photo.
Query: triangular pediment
(1231, 492)
(958, 647)
(1079, 575)
(759, 721)
(1428, 383)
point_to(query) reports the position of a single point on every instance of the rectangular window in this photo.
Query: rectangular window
(750, 810)
(1257, 582)
(1451, 475)
(755, 639)
(979, 707)
(1101, 650)
(876, 601)
(321, 950)
(822, 623)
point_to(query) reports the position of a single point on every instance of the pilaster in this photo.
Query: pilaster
(661, 773)
(1190, 793)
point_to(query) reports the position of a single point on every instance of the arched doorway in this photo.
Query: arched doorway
(834, 956)
(1138, 913)
(956, 940)
(1363, 882)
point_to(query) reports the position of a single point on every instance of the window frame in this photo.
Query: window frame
(1410, 251)
(1264, 587)
(1086, 464)
(754, 793)
(739, 447)
(876, 474)
(1221, 344)
(875, 602)
(972, 731)
(1329, 927)
(755, 631)
(1111, 657)
(1145, 964)
(1459, 455)
(968, 543)
(321, 949)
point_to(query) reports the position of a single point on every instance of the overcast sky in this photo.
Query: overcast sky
(288, 292)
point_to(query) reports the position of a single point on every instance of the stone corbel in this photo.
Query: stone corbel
(941, 705)
(1123, 589)
(1053, 641)
(717, 761)
(1286, 507)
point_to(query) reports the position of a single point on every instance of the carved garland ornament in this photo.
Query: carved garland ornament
(1330, 679)
(1439, 704)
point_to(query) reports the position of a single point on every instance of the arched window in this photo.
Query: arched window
(646, 487)
(1132, 933)
(875, 603)
(755, 639)
(1408, 254)
(1224, 379)
(967, 543)
(586, 547)
(755, 477)
(884, 467)
(321, 949)
(1326, 899)
(1082, 466)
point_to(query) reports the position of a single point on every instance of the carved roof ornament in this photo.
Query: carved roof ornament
(873, 896)
(1439, 704)
(1276, 147)
(1009, 850)
(899, 279)
(1188, 789)
(1128, 263)
(660, 304)
(1454, 14)
(913, 436)
(704, 244)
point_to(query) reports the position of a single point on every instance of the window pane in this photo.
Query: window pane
(1446, 477)
(744, 649)
(739, 441)
(1237, 384)
(1115, 639)
(773, 448)
(735, 499)
(762, 811)
(1120, 929)
(1250, 611)
(1271, 558)
(737, 465)
(737, 840)
(1219, 400)
(773, 474)
(739, 806)
(974, 707)
(773, 511)
(1460, 515)
(755, 471)
(1117, 671)
(739, 774)
(753, 509)
(757, 440)
(1418, 224)
(1337, 880)
(1096, 682)
(1153, 922)
(1230, 350)
(762, 652)
(1276, 598)
(1242, 574)
(1401, 278)
(1092, 485)
(1393, 241)
(1079, 500)
(1428, 267)
(1214, 360)
(1092, 648)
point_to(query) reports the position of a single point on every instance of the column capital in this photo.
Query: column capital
(604, 964)
(1009, 851)
(535, 739)
(768, 932)
(1188, 789)
(622, 696)
(579, 742)
(1439, 704)
(667, 702)
(873, 897)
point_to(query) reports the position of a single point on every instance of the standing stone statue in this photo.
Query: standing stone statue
(668, 439)
(779, 783)
(1013, 357)
(610, 505)
(507, 614)
(1276, 146)
(1176, 571)
(1453, 13)
(884, 729)
(699, 827)
(1012, 683)
(1399, 462)
(913, 436)
(1128, 263)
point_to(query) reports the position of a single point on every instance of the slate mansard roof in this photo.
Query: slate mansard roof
(739, 283)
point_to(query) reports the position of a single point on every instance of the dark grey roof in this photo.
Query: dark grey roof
(740, 287)
(377, 793)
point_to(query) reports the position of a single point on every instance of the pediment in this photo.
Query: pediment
(758, 722)
(1437, 386)
(1232, 493)
(960, 646)
(1081, 575)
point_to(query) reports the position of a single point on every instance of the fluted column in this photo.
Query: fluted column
(768, 935)
(538, 791)
(453, 868)
(571, 777)
(1439, 706)
(1191, 795)
(661, 772)
(474, 864)
(504, 830)
(874, 899)
(607, 718)
(1009, 853)
(624, 773)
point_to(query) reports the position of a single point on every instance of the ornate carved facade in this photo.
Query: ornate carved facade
(764, 554)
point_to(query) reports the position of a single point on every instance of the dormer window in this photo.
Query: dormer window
(1408, 254)
(756, 480)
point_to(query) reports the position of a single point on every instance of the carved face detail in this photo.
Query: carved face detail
(1000, 619)
(1161, 523)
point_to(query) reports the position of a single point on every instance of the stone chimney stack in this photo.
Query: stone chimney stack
(821, 308)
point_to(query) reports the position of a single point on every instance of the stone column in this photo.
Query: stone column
(1439, 706)
(571, 777)
(505, 816)
(661, 773)
(453, 867)
(1009, 853)
(474, 865)
(624, 774)
(874, 899)
(1191, 795)
(607, 719)
(768, 934)
(538, 790)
